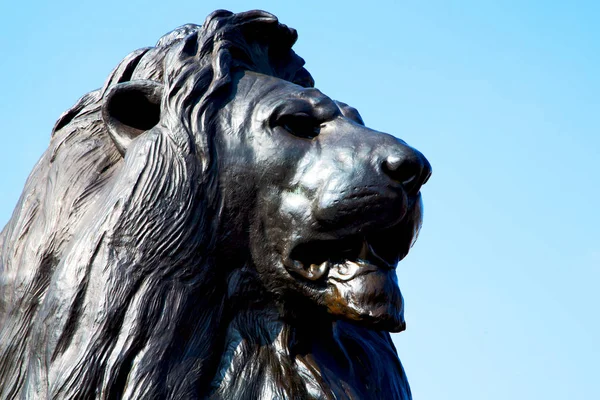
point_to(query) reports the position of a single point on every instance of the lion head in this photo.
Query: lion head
(208, 224)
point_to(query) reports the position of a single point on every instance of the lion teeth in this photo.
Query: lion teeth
(364, 250)
(318, 270)
(348, 270)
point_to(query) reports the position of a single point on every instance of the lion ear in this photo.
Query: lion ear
(130, 109)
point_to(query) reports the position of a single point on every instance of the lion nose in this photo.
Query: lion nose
(409, 167)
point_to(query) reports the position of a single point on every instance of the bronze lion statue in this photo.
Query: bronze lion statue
(210, 225)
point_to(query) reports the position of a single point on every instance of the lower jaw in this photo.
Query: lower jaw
(372, 300)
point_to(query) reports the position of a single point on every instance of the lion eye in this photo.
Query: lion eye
(300, 124)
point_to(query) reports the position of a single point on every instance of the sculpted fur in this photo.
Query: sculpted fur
(209, 225)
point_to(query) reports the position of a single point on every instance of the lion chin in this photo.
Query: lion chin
(210, 225)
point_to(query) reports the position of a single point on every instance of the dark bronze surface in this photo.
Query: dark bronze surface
(210, 225)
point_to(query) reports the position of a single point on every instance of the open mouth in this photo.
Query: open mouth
(346, 258)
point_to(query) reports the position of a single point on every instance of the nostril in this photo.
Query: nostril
(392, 163)
(402, 169)
(410, 170)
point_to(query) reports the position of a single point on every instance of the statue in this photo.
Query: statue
(210, 225)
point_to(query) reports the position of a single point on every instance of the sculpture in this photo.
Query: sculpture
(209, 225)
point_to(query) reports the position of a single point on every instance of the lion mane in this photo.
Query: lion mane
(108, 288)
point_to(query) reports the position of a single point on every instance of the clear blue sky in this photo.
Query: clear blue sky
(504, 99)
